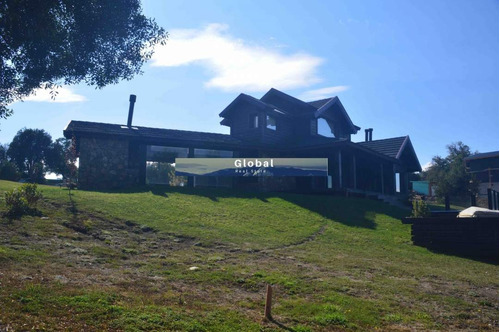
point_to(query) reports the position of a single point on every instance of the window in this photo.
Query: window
(207, 153)
(254, 121)
(324, 128)
(270, 122)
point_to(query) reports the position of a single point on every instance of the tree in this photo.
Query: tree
(449, 173)
(8, 171)
(57, 156)
(52, 42)
(29, 151)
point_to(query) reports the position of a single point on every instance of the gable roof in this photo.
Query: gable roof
(244, 98)
(334, 105)
(394, 148)
(389, 146)
(318, 103)
(287, 102)
(283, 104)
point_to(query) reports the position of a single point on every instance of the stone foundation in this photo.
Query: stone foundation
(104, 164)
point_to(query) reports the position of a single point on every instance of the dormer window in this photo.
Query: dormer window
(254, 121)
(270, 122)
(324, 128)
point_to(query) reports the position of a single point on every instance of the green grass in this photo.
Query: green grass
(335, 263)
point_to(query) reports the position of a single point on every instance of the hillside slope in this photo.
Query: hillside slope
(185, 259)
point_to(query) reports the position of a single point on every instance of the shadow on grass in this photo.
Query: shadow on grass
(483, 258)
(280, 325)
(354, 212)
(76, 223)
(17, 215)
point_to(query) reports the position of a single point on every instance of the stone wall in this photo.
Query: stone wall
(104, 164)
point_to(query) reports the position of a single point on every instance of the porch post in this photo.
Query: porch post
(340, 169)
(191, 180)
(354, 171)
(394, 179)
(382, 177)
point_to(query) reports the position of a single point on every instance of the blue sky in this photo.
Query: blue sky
(428, 69)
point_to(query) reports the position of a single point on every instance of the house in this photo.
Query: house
(484, 167)
(276, 125)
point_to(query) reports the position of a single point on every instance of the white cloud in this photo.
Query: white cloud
(322, 93)
(64, 95)
(426, 166)
(237, 65)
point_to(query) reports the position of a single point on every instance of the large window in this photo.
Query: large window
(324, 128)
(206, 153)
(270, 122)
(165, 153)
(160, 165)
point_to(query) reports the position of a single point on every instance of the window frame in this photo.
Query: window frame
(270, 127)
(254, 121)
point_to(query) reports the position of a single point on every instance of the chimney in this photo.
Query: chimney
(370, 134)
(131, 110)
(366, 135)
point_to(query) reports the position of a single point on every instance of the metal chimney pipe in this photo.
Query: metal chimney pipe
(132, 100)
(370, 134)
(366, 134)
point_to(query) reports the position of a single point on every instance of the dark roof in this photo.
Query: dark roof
(493, 154)
(84, 127)
(319, 103)
(394, 148)
(285, 101)
(390, 146)
(201, 139)
(244, 98)
(328, 108)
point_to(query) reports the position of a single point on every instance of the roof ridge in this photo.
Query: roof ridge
(384, 139)
(315, 101)
(143, 127)
(285, 95)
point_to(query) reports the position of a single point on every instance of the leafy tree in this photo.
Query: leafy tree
(29, 151)
(56, 156)
(8, 171)
(51, 42)
(3, 152)
(449, 173)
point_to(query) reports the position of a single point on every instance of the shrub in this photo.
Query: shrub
(31, 193)
(16, 203)
(420, 209)
(22, 200)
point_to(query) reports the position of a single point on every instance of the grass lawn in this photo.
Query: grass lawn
(125, 261)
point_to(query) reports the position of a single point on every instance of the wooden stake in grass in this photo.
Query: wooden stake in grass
(269, 296)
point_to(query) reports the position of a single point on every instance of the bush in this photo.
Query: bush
(420, 209)
(31, 193)
(22, 200)
(16, 203)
